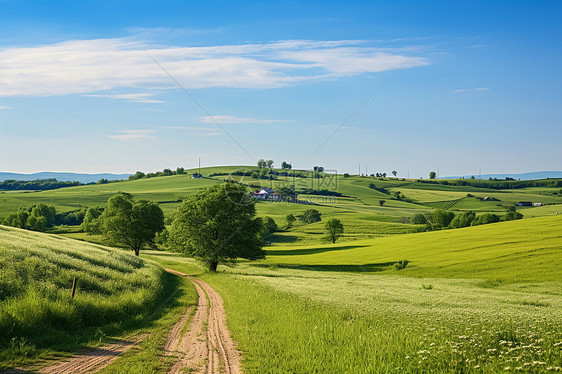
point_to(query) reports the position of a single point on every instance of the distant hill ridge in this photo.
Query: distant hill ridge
(523, 176)
(63, 177)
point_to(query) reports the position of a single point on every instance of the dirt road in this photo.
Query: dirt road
(206, 347)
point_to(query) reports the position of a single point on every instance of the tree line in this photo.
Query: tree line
(35, 185)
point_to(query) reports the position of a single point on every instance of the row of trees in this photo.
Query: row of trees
(444, 219)
(42, 217)
(35, 185)
(163, 173)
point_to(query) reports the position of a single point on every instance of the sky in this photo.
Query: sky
(411, 86)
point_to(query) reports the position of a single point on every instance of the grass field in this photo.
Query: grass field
(483, 299)
(313, 319)
(117, 294)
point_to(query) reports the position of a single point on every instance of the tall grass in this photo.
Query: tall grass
(116, 292)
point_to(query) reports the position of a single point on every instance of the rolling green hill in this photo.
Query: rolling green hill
(117, 292)
(522, 250)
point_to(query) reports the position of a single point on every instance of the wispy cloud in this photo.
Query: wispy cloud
(144, 97)
(225, 120)
(196, 130)
(471, 89)
(92, 66)
(133, 135)
(5, 107)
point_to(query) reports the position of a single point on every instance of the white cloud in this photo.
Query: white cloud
(144, 97)
(196, 131)
(5, 107)
(90, 66)
(133, 134)
(460, 90)
(225, 120)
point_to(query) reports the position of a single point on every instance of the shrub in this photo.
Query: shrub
(418, 219)
(485, 219)
(401, 264)
(311, 216)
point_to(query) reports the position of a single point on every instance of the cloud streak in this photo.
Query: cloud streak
(129, 135)
(226, 120)
(461, 90)
(144, 97)
(93, 66)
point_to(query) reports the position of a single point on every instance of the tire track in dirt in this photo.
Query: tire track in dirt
(207, 346)
(88, 362)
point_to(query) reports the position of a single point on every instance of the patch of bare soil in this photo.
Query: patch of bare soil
(207, 346)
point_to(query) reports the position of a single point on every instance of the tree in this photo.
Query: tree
(432, 175)
(180, 170)
(381, 202)
(218, 225)
(262, 163)
(442, 218)
(464, 219)
(394, 172)
(269, 164)
(418, 219)
(103, 181)
(92, 222)
(346, 175)
(137, 175)
(290, 220)
(318, 169)
(47, 211)
(284, 165)
(132, 223)
(334, 229)
(485, 219)
(311, 216)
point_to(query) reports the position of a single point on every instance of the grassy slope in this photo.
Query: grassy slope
(117, 293)
(513, 251)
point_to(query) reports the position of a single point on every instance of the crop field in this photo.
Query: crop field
(117, 293)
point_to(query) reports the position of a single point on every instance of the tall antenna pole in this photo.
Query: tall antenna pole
(199, 165)
(366, 174)
(359, 169)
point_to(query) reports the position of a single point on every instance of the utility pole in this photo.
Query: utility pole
(359, 169)
(199, 165)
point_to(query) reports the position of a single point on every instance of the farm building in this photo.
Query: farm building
(265, 193)
(525, 203)
(537, 204)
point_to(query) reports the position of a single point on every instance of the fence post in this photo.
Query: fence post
(73, 288)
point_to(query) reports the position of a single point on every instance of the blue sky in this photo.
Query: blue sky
(90, 86)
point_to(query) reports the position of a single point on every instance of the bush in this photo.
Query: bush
(463, 220)
(401, 264)
(311, 216)
(485, 219)
(418, 219)
(442, 218)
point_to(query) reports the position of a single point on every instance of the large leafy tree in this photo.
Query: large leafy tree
(132, 223)
(218, 225)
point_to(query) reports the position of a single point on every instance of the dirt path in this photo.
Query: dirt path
(89, 362)
(207, 346)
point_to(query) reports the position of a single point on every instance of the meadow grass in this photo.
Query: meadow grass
(117, 294)
(318, 321)
(522, 250)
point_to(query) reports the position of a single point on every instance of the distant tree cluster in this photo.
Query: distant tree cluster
(444, 219)
(163, 173)
(35, 185)
(493, 184)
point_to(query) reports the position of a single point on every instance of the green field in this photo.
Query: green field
(477, 299)
(117, 294)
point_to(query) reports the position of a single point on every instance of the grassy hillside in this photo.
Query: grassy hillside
(116, 293)
(358, 205)
(310, 319)
(523, 250)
